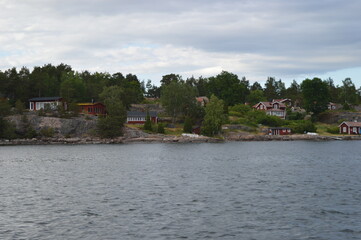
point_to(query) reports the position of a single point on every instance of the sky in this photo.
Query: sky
(285, 39)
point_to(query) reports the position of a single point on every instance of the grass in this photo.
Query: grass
(322, 129)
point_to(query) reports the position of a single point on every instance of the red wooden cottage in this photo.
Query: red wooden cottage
(134, 117)
(272, 108)
(92, 108)
(36, 104)
(350, 128)
(279, 131)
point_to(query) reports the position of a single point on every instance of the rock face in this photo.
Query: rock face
(335, 117)
(75, 127)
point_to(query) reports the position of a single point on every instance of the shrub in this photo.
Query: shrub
(160, 128)
(302, 126)
(110, 126)
(188, 126)
(148, 123)
(19, 107)
(271, 121)
(240, 108)
(47, 132)
(333, 130)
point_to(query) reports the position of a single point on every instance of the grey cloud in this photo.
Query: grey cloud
(282, 37)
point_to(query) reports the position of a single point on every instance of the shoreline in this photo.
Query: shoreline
(175, 139)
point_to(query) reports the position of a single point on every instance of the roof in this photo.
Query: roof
(202, 99)
(89, 104)
(45, 99)
(270, 104)
(141, 114)
(282, 100)
(352, 124)
(280, 128)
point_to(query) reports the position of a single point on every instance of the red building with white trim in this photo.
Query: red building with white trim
(272, 108)
(92, 108)
(350, 128)
(134, 117)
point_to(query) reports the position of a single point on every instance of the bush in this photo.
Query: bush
(160, 128)
(302, 126)
(333, 130)
(148, 123)
(7, 130)
(109, 127)
(271, 121)
(188, 126)
(47, 132)
(30, 133)
(19, 107)
(240, 108)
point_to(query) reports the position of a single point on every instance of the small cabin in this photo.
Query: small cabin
(53, 103)
(135, 117)
(279, 131)
(350, 128)
(92, 108)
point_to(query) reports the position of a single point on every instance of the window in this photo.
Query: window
(344, 129)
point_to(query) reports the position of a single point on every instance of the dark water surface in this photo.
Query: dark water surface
(252, 190)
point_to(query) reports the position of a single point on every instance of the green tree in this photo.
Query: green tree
(228, 87)
(72, 88)
(315, 95)
(188, 126)
(348, 92)
(176, 98)
(167, 79)
(148, 123)
(214, 118)
(255, 96)
(111, 125)
(256, 86)
(160, 128)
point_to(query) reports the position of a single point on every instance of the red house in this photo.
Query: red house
(36, 104)
(134, 117)
(92, 108)
(279, 131)
(350, 128)
(272, 108)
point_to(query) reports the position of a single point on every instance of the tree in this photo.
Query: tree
(111, 125)
(167, 79)
(256, 86)
(148, 123)
(214, 117)
(72, 87)
(294, 92)
(255, 96)
(228, 87)
(315, 95)
(176, 98)
(188, 126)
(348, 92)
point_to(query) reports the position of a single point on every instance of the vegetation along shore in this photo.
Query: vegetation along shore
(57, 105)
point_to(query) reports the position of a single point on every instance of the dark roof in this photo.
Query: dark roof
(44, 99)
(279, 128)
(141, 114)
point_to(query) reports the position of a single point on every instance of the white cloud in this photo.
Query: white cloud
(255, 39)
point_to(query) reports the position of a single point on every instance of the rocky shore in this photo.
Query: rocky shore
(159, 138)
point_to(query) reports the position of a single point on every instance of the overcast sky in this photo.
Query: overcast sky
(286, 39)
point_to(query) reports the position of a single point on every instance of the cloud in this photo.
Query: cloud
(256, 39)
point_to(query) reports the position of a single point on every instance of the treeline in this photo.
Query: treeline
(234, 90)
(62, 80)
